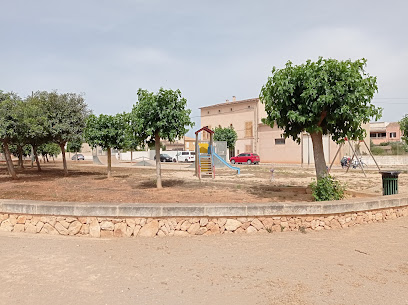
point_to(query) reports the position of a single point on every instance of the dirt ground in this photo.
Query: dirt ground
(360, 265)
(88, 183)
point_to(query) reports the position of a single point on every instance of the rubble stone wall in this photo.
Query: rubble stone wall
(188, 226)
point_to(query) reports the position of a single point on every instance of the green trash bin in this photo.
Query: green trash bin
(390, 182)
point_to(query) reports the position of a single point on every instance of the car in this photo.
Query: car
(165, 158)
(248, 158)
(78, 157)
(185, 156)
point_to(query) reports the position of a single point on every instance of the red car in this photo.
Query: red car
(248, 158)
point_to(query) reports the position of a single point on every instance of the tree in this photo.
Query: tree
(323, 97)
(67, 114)
(8, 122)
(107, 131)
(34, 124)
(227, 134)
(404, 128)
(75, 145)
(49, 149)
(161, 115)
(20, 151)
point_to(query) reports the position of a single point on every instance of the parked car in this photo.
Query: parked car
(78, 157)
(164, 158)
(185, 156)
(248, 158)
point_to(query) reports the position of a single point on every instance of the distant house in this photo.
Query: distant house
(256, 137)
(185, 143)
(383, 132)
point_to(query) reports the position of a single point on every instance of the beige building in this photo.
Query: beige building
(254, 136)
(185, 143)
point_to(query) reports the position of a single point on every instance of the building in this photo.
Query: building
(185, 143)
(245, 116)
(383, 132)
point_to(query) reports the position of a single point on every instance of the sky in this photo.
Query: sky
(210, 50)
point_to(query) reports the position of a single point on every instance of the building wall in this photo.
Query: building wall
(254, 136)
(383, 132)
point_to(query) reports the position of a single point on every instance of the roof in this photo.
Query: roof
(232, 103)
(204, 128)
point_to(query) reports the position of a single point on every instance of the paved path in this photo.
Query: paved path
(360, 265)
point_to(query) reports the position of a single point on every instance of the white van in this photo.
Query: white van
(185, 156)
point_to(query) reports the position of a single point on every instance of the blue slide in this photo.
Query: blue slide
(227, 164)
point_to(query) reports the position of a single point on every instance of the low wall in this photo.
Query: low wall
(393, 160)
(126, 220)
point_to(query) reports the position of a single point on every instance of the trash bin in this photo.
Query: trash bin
(390, 182)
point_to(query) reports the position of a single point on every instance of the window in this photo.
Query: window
(279, 141)
(393, 134)
(373, 135)
(382, 135)
(208, 112)
(248, 129)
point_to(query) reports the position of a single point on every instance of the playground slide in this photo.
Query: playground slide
(227, 164)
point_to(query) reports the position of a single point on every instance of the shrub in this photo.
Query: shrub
(376, 150)
(327, 188)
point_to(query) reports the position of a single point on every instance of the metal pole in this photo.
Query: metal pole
(341, 145)
(369, 150)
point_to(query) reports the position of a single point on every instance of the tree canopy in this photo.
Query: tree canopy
(227, 134)
(161, 115)
(107, 131)
(323, 97)
(404, 128)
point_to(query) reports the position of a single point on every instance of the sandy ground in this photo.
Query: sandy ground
(360, 265)
(87, 182)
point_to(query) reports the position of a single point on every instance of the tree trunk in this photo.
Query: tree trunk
(46, 157)
(109, 162)
(36, 158)
(158, 165)
(32, 157)
(320, 162)
(9, 162)
(20, 156)
(64, 160)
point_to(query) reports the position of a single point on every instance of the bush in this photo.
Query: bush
(376, 150)
(327, 188)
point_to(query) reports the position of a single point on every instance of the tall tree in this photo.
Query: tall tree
(34, 124)
(49, 149)
(161, 115)
(227, 134)
(323, 97)
(107, 131)
(8, 122)
(67, 114)
(404, 128)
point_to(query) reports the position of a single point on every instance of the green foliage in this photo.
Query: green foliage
(384, 144)
(49, 149)
(327, 188)
(164, 112)
(227, 134)
(106, 131)
(328, 96)
(377, 150)
(74, 145)
(9, 102)
(404, 128)
(26, 150)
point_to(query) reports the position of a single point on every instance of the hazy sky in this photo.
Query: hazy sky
(210, 50)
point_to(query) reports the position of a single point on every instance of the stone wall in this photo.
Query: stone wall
(187, 226)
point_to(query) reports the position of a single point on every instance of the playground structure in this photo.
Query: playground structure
(206, 156)
(357, 161)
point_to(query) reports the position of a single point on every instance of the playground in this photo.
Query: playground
(87, 182)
